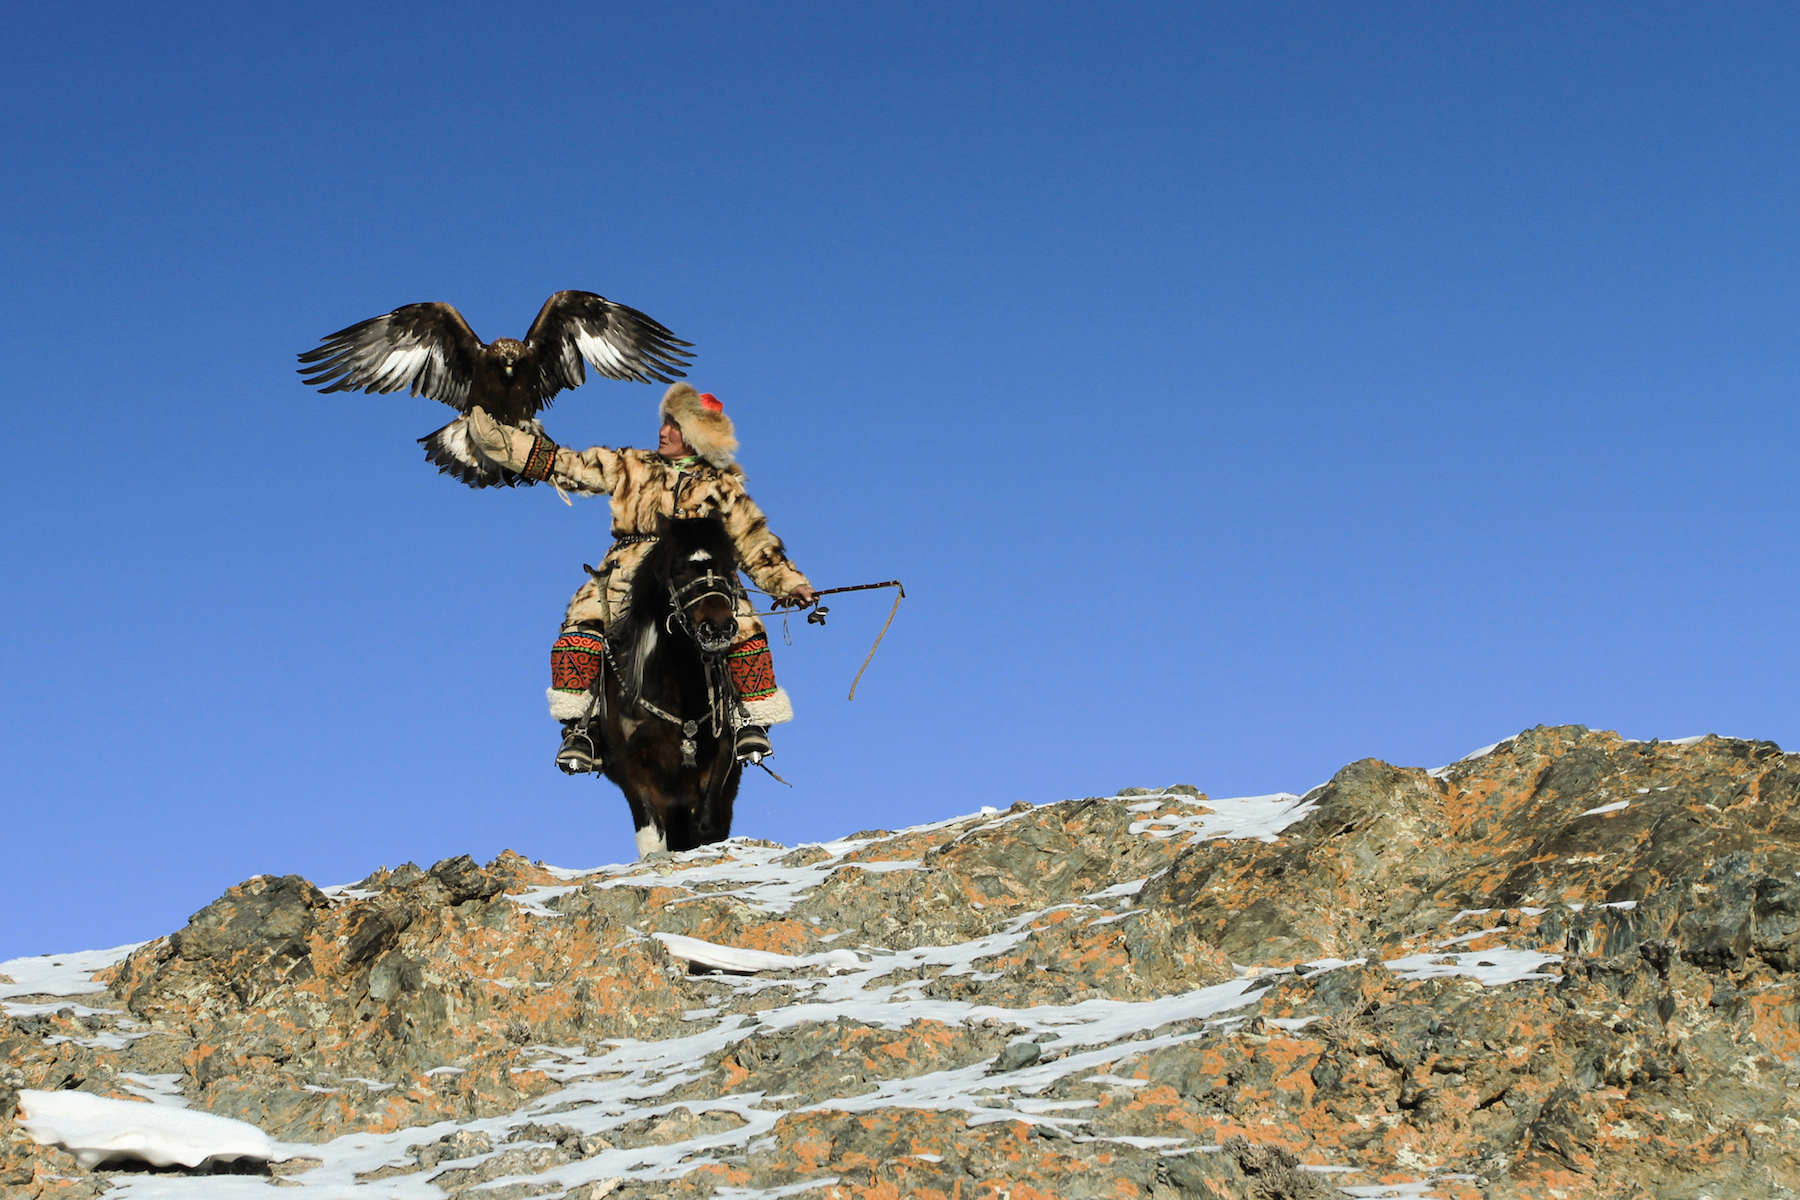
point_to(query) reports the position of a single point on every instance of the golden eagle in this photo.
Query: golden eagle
(432, 350)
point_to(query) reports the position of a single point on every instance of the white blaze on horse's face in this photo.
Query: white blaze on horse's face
(650, 840)
(700, 556)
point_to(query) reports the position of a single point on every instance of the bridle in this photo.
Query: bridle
(728, 588)
(721, 697)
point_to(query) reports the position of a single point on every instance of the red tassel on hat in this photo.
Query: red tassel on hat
(710, 402)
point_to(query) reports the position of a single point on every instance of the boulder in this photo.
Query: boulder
(1567, 967)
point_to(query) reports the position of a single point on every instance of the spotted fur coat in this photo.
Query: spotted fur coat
(643, 486)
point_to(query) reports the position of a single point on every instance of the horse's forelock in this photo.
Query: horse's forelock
(676, 544)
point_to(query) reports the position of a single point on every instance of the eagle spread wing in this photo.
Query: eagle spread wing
(426, 347)
(430, 349)
(620, 342)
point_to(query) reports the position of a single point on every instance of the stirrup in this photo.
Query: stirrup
(579, 754)
(753, 744)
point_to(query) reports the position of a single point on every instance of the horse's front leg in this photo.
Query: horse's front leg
(637, 777)
(650, 813)
(650, 839)
(647, 827)
(665, 791)
(716, 790)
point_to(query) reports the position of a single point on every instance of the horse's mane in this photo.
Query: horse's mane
(633, 631)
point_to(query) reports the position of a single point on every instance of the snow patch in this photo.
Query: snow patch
(1259, 817)
(158, 1089)
(1292, 1024)
(536, 900)
(1440, 772)
(1492, 968)
(747, 872)
(1390, 1191)
(792, 1189)
(615, 1083)
(96, 1130)
(60, 974)
(730, 958)
(1469, 937)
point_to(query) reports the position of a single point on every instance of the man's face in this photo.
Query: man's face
(670, 443)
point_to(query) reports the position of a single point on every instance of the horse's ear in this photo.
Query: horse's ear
(663, 521)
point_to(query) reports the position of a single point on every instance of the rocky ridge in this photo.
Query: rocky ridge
(1563, 968)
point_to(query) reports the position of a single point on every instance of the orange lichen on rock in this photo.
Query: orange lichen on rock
(1569, 967)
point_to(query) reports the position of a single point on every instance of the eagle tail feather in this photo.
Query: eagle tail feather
(451, 452)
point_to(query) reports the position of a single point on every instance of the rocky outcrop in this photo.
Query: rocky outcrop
(1565, 968)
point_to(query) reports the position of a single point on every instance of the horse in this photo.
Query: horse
(667, 708)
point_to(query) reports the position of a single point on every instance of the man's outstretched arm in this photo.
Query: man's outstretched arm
(593, 472)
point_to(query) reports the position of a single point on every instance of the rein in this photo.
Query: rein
(817, 617)
(720, 695)
(855, 587)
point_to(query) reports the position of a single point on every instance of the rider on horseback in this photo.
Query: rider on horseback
(691, 473)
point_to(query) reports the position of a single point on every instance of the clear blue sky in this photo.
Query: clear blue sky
(1240, 390)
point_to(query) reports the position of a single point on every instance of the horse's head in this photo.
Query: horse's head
(694, 567)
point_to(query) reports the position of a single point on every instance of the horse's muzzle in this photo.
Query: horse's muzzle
(715, 636)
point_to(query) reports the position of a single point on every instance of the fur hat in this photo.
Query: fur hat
(703, 423)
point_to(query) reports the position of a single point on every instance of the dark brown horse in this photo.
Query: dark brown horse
(667, 714)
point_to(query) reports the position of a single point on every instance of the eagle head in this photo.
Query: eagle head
(507, 352)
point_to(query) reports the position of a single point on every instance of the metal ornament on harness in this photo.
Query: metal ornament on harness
(723, 704)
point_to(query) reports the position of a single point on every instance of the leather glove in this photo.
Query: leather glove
(531, 455)
(504, 444)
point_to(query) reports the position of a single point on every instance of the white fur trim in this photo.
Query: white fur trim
(770, 710)
(568, 706)
(650, 840)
